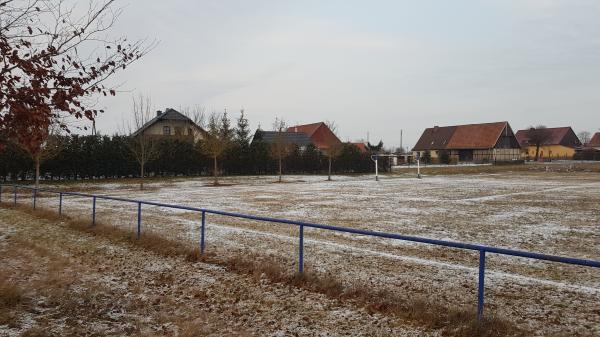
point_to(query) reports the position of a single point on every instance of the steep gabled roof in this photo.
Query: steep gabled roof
(556, 136)
(476, 136)
(470, 136)
(269, 137)
(308, 129)
(167, 115)
(435, 138)
(320, 134)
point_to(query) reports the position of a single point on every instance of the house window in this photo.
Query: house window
(178, 131)
(166, 130)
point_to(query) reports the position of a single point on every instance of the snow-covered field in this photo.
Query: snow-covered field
(553, 213)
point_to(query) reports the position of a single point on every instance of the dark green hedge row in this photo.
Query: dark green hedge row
(97, 157)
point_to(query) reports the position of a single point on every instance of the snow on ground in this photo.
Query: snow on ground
(78, 284)
(549, 213)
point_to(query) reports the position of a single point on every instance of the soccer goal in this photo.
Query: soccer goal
(375, 158)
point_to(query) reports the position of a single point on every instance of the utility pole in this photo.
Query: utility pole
(401, 148)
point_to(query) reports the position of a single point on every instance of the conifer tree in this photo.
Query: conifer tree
(242, 131)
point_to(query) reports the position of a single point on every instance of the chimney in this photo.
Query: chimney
(158, 113)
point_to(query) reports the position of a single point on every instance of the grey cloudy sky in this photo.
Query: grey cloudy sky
(371, 66)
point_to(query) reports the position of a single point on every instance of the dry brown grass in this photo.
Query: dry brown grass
(452, 322)
(10, 294)
(35, 332)
(10, 297)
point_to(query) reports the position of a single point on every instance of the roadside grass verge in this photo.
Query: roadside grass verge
(450, 321)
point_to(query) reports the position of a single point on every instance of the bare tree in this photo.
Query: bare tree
(55, 57)
(141, 143)
(197, 114)
(280, 145)
(333, 149)
(49, 144)
(584, 137)
(216, 142)
(537, 136)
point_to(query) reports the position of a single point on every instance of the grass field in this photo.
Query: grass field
(554, 211)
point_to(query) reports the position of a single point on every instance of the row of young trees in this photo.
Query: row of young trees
(98, 157)
(231, 151)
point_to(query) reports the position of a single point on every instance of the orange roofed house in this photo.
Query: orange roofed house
(555, 143)
(319, 133)
(481, 143)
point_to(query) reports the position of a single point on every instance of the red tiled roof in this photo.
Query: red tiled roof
(319, 133)
(471, 136)
(557, 136)
(362, 147)
(309, 129)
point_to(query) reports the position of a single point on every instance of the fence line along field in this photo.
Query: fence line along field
(552, 213)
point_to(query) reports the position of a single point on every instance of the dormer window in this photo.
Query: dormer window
(166, 130)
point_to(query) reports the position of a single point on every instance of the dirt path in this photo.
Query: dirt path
(65, 282)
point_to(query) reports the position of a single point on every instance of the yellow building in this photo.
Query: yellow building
(553, 143)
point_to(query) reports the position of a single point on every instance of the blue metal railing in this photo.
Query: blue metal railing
(453, 244)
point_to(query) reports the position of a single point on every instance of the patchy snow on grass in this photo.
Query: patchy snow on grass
(541, 212)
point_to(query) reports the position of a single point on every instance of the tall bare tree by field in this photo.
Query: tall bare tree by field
(334, 149)
(142, 145)
(280, 146)
(54, 62)
(217, 140)
(537, 136)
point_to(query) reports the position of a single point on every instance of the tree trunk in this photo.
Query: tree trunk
(142, 176)
(37, 171)
(280, 169)
(329, 175)
(537, 152)
(215, 171)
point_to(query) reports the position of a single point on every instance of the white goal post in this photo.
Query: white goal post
(375, 158)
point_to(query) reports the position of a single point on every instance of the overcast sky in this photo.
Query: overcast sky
(371, 66)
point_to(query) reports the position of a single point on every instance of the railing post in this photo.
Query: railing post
(59, 203)
(139, 220)
(34, 197)
(0, 194)
(202, 230)
(15, 197)
(94, 211)
(301, 251)
(481, 288)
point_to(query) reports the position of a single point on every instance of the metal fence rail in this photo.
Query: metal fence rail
(444, 243)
